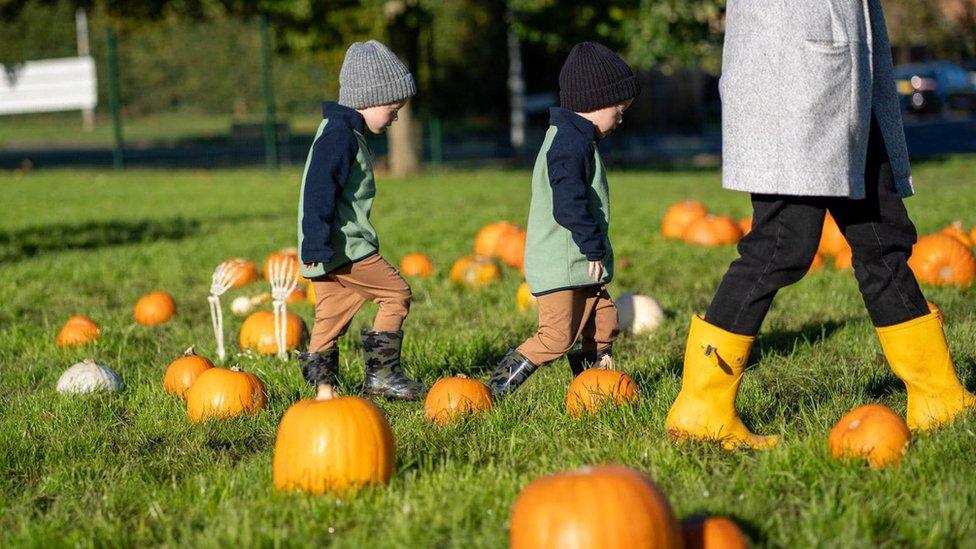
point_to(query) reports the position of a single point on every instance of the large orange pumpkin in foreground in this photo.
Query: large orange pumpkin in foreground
(511, 249)
(244, 271)
(680, 215)
(489, 236)
(872, 432)
(454, 397)
(223, 393)
(257, 332)
(712, 230)
(154, 308)
(416, 265)
(333, 444)
(595, 387)
(941, 260)
(601, 507)
(475, 272)
(182, 372)
(704, 532)
(78, 330)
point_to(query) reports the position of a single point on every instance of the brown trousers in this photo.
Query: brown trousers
(343, 292)
(568, 315)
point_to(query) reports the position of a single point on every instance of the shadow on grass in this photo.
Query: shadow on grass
(784, 342)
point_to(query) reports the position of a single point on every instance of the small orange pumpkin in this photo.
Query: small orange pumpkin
(257, 332)
(475, 272)
(746, 225)
(223, 393)
(310, 294)
(297, 295)
(712, 230)
(154, 308)
(832, 241)
(593, 388)
(454, 397)
(287, 254)
(244, 271)
(817, 263)
(524, 299)
(933, 308)
(957, 231)
(333, 444)
(941, 260)
(680, 215)
(844, 259)
(182, 372)
(490, 235)
(972, 235)
(416, 265)
(78, 330)
(873, 432)
(623, 509)
(704, 532)
(511, 249)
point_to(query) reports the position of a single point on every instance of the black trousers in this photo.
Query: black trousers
(785, 236)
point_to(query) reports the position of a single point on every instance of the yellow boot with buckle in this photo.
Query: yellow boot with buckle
(919, 355)
(705, 407)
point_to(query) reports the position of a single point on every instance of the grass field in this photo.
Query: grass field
(129, 469)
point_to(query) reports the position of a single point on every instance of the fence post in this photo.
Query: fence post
(118, 159)
(270, 131)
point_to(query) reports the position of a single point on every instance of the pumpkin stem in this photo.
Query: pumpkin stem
(235, 368)
(88, 361)
(325, 392)
(189, 351)
(462, 376)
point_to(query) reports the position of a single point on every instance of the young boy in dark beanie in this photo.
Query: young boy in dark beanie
(338, 245)
(568, 258)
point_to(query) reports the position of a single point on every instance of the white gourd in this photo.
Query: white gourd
(638, 313)
(88, 377)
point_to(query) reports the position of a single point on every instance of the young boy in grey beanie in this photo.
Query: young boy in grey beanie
(338, 245)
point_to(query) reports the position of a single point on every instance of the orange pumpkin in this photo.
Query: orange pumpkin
(844, 259)
(959, 233)
(593, 388)
(182, 372)
(872, 432)
(972, 235)
(933, 308)
(154, 308)
(524, 299)
(310, 294)
(941, 260)
(223, 393)
(78, 330)
(333, 444)
(244, 271)
(601, 507)
(832, 241)
(489, 236)
(416, 265)
(680, 215)
(817, 263)
(746, 225)
(511, 249)
(454, 397)
(257, 332)
(712, 230)
(475, 272)
(704, 532)
(287, 254)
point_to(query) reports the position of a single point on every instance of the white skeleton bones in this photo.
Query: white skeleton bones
(223, 279)
(283, 276)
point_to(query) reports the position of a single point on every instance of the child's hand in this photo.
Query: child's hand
(595, 270)
(310, 265)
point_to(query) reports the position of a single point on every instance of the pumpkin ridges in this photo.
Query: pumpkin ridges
(454, 397)
(182, 372)
(596, 387)
(154, 308)
(940, 259)
(712, 230)
(679, 215)
(257, 332)
(872, 432)
(221, 393)
(416, 264)
(78, 330)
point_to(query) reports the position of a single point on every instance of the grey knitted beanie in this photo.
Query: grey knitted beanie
(372, 75)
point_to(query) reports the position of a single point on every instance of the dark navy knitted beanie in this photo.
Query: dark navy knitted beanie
(593, 77)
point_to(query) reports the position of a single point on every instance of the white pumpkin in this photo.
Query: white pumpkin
(241, 305)
(88, 377)
(638, 313)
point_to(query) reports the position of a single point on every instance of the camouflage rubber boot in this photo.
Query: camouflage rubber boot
(320, 368)
(384, 375)
(510, 373)
(581, 359)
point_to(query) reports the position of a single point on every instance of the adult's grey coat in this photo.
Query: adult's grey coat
(800, 80)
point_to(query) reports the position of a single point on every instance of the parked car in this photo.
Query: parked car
(935, 87)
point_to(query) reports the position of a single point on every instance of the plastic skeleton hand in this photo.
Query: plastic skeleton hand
(283, 275)
(223, 278)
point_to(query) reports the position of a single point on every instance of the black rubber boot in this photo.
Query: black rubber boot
(511, 373)
(580, 359)
(320, 368)
(384, 375)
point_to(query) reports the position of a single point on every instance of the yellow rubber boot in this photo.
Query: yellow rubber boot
(705, 407)
(919, 356)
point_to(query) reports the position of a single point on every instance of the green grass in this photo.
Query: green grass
(129, 469)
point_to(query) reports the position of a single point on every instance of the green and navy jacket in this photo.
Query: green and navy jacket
(337, 195)
(569, 215)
